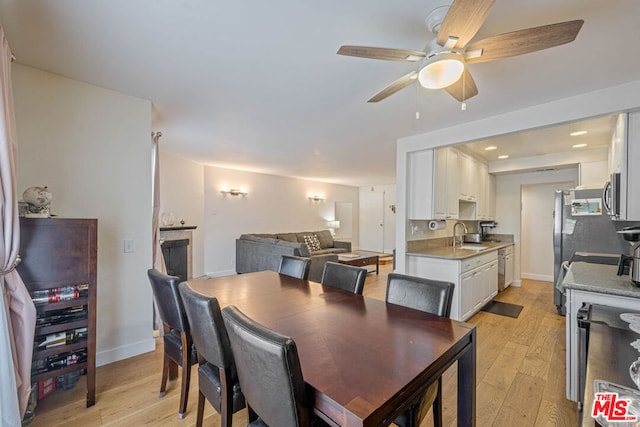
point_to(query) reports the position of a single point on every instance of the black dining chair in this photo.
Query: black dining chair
(295, 266)
(177, 334)
(269, 373)
(217, 377)
(431, 296)
(345, 277)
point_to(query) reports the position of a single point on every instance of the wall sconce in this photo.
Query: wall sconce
(315, 198)
(234, 192)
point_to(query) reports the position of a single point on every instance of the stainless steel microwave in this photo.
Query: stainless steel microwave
(611, 196)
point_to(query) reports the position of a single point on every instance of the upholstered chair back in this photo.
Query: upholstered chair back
(431, 296)
(345, 277)
(295, 266)
(269, 372)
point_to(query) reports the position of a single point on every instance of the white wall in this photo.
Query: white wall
(591, 104)
(387, 215)
(92, 148)
(182, 192)
(273, 204)
(508, 198)
(536, 229)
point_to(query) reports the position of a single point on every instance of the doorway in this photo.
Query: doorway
(536, 234)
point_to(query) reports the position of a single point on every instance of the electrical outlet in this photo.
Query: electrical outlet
(128, 246)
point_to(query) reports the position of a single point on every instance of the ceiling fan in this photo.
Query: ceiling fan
(443, 63)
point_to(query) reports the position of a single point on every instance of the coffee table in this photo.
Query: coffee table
(359, 260)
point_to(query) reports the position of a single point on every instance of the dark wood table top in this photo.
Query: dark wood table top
(364, 358)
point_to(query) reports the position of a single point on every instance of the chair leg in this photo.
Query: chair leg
(186, 375)
(226, 404)
(200, 409)
(166, 363)
(413, 415)
(437, 406)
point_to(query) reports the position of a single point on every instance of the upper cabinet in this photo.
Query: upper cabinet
(620, 195)
(617, 149)
(420, 180)
(446, 184)
(468, 178)
(443, 179)
(491, 196)
(630, 175)
(482, 204)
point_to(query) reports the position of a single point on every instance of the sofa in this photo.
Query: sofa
(258, 252)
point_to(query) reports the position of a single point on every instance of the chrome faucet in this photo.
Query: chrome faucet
(454, 231)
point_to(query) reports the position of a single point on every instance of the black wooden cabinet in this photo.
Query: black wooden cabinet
(59, 267)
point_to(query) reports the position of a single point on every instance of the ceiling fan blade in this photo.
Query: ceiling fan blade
(383, 53)
(394, 87)
(464, 19)
(464, 88)
(523, 41)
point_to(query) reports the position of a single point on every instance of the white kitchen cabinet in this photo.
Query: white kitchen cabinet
(420, 167)
(491, 196)
(489, 282)
(469, 293)
(624, 156)
(482, 203)
(475, 279)
(617, 149)
(446, 183)
(632, 161)
(508, 268)
(468, 178)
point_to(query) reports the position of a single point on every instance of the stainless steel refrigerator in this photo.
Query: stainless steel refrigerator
(581, 226)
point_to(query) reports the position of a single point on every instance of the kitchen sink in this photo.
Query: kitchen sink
(473, 247)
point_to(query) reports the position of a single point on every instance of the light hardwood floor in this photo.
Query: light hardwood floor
(520, 375)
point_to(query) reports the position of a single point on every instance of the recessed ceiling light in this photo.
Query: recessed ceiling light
(491, 147)
(578, 133)
(503, 156)
(579, 145)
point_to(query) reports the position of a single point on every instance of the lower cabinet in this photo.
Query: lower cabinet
(475, 278)
(508, 268)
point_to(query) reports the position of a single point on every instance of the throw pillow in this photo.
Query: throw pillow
(312, 242)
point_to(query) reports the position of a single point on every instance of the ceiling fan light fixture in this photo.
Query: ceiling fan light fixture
(441, 70)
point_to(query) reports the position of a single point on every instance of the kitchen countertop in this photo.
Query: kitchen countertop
(447, 252)
(599, 278)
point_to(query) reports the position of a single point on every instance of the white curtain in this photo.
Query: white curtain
(158, 258)
(17, 313)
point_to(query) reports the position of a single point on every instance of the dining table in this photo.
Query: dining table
(364, 360)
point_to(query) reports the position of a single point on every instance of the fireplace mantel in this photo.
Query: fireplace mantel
(180, 233)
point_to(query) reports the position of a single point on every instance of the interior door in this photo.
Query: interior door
(371, 221)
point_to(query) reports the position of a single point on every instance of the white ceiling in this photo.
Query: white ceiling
(258, 86)
(552, 139)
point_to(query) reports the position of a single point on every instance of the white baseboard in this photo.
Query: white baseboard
(125, 352)
(540, 277)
